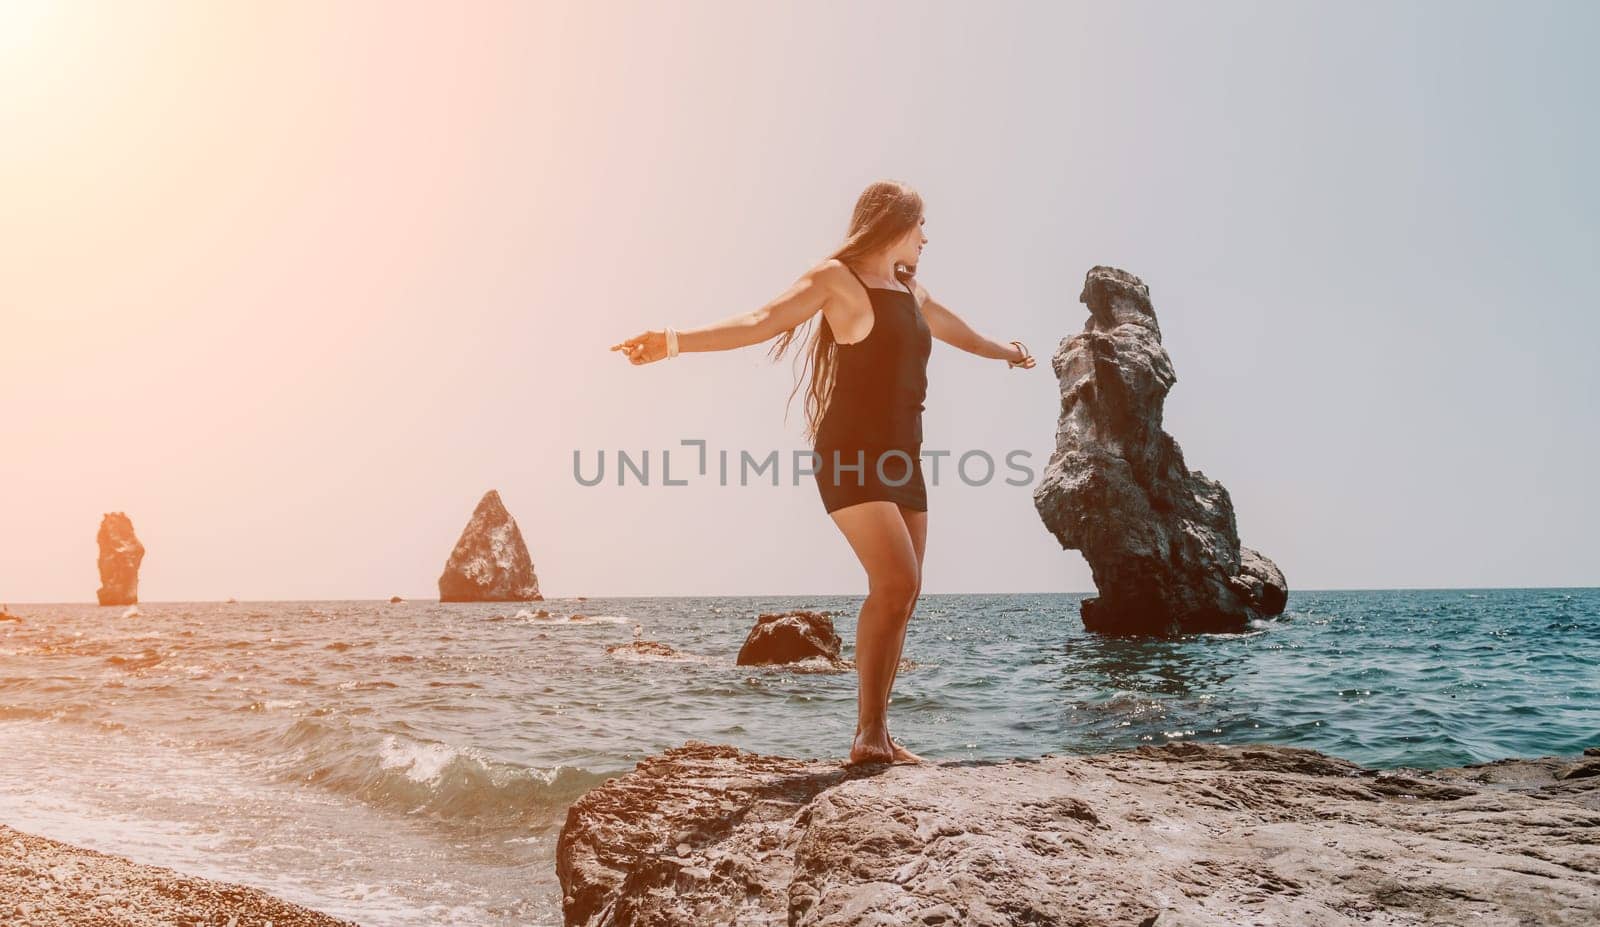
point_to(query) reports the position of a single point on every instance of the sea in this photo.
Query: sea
(412, 763)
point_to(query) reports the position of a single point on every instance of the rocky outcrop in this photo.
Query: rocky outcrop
(1159, 538)
(490, 562)
(643, 649)
(788, 637)
(1180, 834)
(120, 556)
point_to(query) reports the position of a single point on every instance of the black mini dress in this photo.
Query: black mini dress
(869, 444)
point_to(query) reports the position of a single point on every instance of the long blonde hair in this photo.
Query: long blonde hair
(884, 211)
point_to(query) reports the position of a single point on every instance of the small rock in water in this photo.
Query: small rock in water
(643, 648)
(394, 598)
(788, 637)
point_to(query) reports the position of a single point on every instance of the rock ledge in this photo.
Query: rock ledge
(1181, 834)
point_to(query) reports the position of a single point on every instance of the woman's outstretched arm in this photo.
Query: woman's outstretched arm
(953, 330)
(800, 302)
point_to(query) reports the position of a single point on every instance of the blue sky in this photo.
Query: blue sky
(296, 317)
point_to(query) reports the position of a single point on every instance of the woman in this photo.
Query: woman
(869, 362)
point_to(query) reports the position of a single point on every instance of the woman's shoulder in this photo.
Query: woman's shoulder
(833, 274)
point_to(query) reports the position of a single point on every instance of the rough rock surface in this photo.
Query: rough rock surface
(788, 637)
(1199, 835)
(643, 648)
(1159, 538)
(120, 556)
(44, 883)
(490, 562)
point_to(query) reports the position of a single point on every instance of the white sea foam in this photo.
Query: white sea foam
(556, 619)
(421, 762)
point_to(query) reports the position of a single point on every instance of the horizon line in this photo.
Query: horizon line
(552, 598)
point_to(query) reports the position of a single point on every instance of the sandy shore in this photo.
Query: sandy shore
(44, 882)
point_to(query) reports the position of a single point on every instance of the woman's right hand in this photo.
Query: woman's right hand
(644, 347)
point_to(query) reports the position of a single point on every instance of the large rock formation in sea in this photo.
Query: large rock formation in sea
(1159, 836)
(120, 556)
(490, 562)
(1159, 538)
(788, 637)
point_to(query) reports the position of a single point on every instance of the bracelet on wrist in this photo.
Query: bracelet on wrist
(672, 342)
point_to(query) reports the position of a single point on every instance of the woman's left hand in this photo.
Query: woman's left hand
(1022, 358)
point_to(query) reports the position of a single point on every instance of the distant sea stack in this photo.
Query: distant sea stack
(490, 562)
(1160, 539)
(120, 556)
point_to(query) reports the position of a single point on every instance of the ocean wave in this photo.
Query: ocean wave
(544, 618)
(366, 684)
(439, 780)
(641, 651)
(144, 659)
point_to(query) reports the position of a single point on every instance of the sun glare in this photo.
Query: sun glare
(23, 24)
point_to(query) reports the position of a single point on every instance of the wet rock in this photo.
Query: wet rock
(1190, 834)
(490, 562)
(395, 600)
(643, 649)
(788, 637)
(120, 556)
(1159, 538)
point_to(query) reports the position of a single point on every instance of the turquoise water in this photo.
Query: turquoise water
(411, 763)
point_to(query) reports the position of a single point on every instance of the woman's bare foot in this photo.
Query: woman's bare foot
(901, 754)
(871, 747)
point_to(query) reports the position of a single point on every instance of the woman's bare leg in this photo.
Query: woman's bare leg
(917, 527)
(878, 535)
